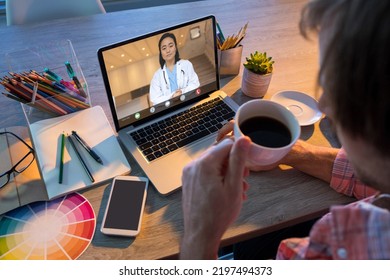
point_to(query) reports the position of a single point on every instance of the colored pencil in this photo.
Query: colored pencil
(62, 148)
(45, 92)
(233, 40)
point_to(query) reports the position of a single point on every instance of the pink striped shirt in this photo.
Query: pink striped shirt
(359, 230)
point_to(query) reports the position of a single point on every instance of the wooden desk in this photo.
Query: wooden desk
(276, 199)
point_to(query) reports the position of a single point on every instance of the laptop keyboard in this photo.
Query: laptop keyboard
(179, 130)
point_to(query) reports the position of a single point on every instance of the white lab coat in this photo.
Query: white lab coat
(160, 88)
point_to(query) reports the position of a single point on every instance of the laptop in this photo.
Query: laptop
(166, 129)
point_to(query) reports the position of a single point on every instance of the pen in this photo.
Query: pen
(88, 148)
(81, 159)
(72, 75)
(62, 158)
(52, 75)
(220, 32)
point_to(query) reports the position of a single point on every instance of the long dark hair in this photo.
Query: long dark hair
(177, 56)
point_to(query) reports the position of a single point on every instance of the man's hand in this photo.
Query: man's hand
(213, 192)
(227, 132)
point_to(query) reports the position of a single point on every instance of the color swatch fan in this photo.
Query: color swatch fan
(59, 229)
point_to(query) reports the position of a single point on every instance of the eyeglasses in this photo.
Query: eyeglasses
(21, 165)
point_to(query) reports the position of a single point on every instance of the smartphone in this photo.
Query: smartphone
(125, 206)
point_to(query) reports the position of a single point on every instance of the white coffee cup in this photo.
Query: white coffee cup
(260, 155)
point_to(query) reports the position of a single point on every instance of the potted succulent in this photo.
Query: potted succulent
(257, 74)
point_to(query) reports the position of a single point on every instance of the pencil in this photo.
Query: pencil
(62, 158)
(14, 97)
(43, 92)
(81, 159)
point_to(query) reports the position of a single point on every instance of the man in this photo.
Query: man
(354, 38)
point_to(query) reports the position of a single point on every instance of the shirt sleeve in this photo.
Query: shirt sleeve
(355, 231)
(344, 180)
(316, 246)
(292, 249)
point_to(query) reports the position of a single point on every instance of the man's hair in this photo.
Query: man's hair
(177, 56)
(355, 70)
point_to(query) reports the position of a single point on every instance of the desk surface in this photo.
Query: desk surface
(277, 198)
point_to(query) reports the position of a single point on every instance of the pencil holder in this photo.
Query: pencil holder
(230, 61)
(47, 80)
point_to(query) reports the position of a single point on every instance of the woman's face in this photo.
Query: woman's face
(168, 49)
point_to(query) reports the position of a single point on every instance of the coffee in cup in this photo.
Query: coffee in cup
(272, 128)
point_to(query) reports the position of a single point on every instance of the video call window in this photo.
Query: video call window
(145, 78)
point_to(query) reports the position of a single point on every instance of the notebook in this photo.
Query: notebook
(40, 181)
(94, 128)
(166, 116)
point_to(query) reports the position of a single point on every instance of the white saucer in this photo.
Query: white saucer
(303, 106)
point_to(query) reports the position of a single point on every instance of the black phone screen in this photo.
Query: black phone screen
(125, 206)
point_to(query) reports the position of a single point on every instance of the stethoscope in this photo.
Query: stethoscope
(166, 82)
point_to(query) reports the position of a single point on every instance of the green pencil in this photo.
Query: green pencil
(62, 158)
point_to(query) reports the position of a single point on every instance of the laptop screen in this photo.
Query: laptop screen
(153, 74)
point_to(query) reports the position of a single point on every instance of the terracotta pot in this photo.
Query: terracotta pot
(255, 85)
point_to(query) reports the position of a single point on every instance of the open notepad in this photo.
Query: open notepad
(92, 125)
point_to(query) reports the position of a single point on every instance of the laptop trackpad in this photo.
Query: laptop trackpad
(197, 149)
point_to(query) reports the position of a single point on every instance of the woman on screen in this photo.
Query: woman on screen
(175, 77)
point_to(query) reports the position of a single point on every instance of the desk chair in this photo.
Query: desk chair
(29, 11)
